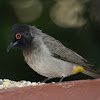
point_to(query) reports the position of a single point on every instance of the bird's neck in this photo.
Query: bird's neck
(34, 47)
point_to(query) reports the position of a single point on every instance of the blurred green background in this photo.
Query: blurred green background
(73, 22)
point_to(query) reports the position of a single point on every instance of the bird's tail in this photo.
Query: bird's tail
(92, 73)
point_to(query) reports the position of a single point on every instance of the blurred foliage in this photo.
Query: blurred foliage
(83, 39)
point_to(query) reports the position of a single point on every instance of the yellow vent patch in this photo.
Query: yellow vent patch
(78, 69)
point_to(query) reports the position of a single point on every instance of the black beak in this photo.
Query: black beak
(11, 45)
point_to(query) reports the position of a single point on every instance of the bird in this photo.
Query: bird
(46, 55)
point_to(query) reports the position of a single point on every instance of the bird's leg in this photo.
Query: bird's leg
(46, 80)
(61, 79)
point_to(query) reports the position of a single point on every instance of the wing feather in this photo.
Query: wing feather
(61, 52)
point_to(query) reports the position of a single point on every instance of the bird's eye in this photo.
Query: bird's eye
(18, 36)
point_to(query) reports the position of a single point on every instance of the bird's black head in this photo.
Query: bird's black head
(20, 36)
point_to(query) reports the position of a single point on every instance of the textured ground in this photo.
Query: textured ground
(73, 90)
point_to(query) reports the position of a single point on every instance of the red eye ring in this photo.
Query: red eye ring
(18, 36)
